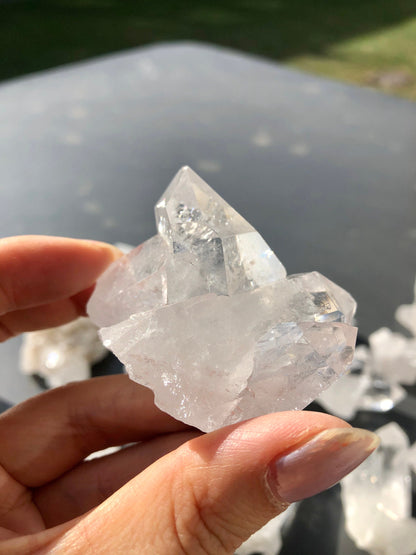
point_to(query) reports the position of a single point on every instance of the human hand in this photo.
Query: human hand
(175, 491)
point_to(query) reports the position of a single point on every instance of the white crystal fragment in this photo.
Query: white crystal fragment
(382, 392)
(389, 362)
(62, 354)
(345, 397)
(268, 540)
(204, 315)
(381, 396)
(393, 356)
(377, 498)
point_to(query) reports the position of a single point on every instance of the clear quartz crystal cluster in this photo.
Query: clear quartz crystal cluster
(204, 314)
(377, 497)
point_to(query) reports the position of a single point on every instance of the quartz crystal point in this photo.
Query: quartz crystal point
(377, 498)
(204, 314)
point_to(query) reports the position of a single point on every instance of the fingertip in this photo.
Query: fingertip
(108, 251)
(36, 270)
(95, 254)
(319, 463)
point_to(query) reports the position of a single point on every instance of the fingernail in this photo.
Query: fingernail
(319, 463)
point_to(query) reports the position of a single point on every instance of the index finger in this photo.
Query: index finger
(49, 434)
(37, 270)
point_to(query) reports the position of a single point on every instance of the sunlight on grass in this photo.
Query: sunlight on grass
(384, 60)
(366, 42)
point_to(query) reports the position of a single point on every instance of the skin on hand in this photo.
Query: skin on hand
(175, 490)
(46, 281)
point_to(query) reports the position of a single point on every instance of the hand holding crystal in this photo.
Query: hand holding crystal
(174, 490)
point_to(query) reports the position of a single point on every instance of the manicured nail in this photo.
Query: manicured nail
(319, 463)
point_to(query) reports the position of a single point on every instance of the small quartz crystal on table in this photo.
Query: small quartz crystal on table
(393, 356)
(377, 498)
(344, 397)
(62, 354)
(204, 314)
(374, 386)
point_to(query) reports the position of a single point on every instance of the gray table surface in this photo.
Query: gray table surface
(325, 171)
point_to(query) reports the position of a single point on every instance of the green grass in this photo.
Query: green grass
(351, 40)
(385, 59)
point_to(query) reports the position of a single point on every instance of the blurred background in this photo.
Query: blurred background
(366, 42)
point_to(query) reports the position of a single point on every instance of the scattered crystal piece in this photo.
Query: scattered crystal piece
(377, 498)
(62, 354)
(389, 362)
(268, 540)
(204, 315)
(393, 356)
(345, 396)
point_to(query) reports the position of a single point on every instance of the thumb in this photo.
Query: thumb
(213, 492)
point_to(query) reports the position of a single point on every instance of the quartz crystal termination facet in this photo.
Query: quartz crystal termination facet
(204, 314)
